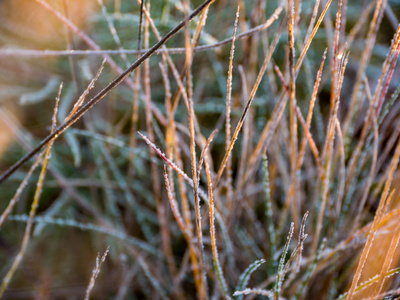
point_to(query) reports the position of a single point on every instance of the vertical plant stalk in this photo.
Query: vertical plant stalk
(302, 237)
(117, 9)
(201, 193)
(307, 136)
(172, 147)
(175, 208)
(328, 158)
(336, 57)
(371, 37)
(370, 177)
(249, 101)
(186, 221)
(71, 46)
(339, 63)
(388, 64)
(217, 265)
(229, 193)
(191, 117)
(292, 108)
(269, 214)
(135, 101)
(389, 77)
(187, 233)
(310, 270)
(297, 253)
(245, 146)
(163, 223)
(277, 114)
(195, 41)
(342, 173)
(336, 61)
(168, 58)
(310, 111)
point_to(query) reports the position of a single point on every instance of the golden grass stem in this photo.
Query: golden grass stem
(217, 264)
(191, 117)
(292, 109)
(377, 219)
(165, 235)
(248, 104)
(229, 193)
(371, 37)
(277, 114)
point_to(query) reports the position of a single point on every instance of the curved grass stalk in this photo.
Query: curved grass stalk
(280, 274)
(244, 278)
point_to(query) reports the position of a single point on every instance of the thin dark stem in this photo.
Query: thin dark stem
(101, 94)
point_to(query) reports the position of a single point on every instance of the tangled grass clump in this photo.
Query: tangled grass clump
(215, 149)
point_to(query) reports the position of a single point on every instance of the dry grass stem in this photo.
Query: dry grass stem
(96, 272)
